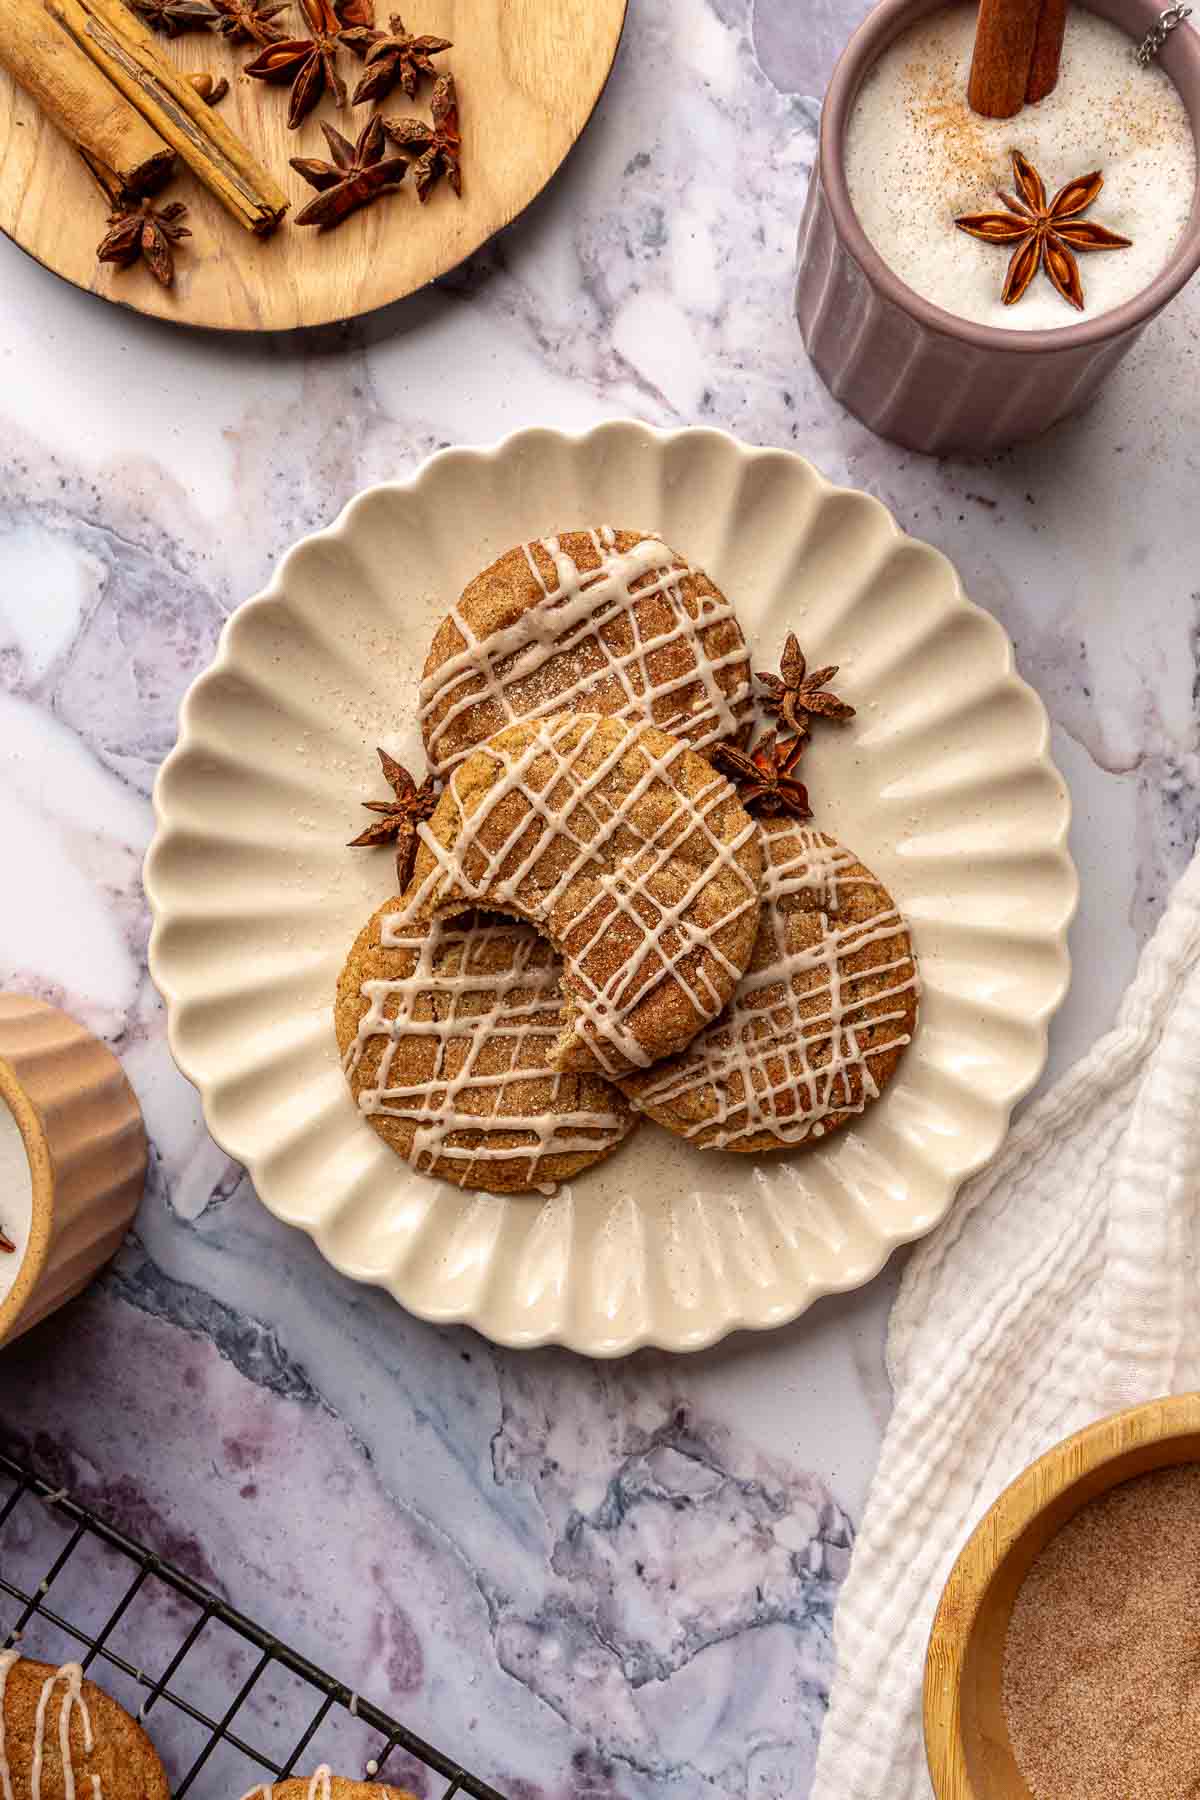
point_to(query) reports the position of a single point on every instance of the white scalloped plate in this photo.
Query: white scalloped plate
(942, 784)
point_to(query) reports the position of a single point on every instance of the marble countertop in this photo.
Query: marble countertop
(584, 1580)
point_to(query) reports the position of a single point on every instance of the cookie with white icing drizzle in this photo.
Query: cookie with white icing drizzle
(323, 1784)
(628, 851)
(447, 1028)
(819, 1020)
(62, 1738)
(601, 621)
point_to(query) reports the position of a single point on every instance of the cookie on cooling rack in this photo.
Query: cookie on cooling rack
(323, 1785)
(447, 1029)
(819, 1020)
(633, 856)
(600, 621)
(63, 1736)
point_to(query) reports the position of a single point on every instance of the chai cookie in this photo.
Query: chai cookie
(322, 1784)
(602, 621)
(447, 1029)
(819, 1020)
(61, 1736)
(633, 856)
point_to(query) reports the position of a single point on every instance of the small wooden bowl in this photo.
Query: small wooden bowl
(86, 1144)
(966, 1736)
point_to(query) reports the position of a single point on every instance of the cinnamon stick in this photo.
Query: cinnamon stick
(85, 106)
(1047, 50)
(125, 51)
(1000, 65)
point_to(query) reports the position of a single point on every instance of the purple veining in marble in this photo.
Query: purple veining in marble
(586, 1581)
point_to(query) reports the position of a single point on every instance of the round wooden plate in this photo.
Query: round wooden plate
(528, 73)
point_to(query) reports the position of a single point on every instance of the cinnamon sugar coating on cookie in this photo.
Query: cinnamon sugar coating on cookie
(63, 1736)
(602, 621)
(632, 855)
(819, 1021)
(448, 1029)
(324, 1785)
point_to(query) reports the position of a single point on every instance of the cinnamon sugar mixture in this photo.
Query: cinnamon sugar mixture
(1102, 1661)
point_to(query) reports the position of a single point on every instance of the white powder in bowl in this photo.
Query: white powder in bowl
(16, 1199)
(917, 156)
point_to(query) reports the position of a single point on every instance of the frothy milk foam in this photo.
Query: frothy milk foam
(16, 1198)
(916, 156)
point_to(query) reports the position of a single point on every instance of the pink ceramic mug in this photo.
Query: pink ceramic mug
(914, 372)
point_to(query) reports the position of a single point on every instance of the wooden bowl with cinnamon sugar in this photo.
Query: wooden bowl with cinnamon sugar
(967, 1739)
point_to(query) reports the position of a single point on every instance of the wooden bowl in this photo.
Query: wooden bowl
(84, 1138)
(966, 1737)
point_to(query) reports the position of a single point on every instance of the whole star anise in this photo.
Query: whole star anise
(139, 229)
(309, 65)
(397, 58)
(766, 777)
(174, 16)
(356, 176)
(439, 145)
(250, 21)
(1044, 235)
(797, 694)
(401, 816)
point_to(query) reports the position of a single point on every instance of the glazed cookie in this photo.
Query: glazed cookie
(322, 1784)
(447, 1029)
(633, 856)
(819, 1020)
(63, 1737)
(602, 621)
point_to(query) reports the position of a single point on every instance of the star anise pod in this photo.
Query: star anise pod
(797, 693)
(1044, 235)
(250, 21)
(174, 16)
(401, 816)
(140, 229)
(6, 1244)
(397, 58)
(767, 775)
(356, 176)
(309, 65)
(439, 145)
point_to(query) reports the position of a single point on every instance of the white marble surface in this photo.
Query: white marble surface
(584, 1580)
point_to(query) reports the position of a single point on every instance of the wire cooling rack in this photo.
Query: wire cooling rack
(229, 1703)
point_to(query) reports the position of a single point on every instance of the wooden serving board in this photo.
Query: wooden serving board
(528, 73)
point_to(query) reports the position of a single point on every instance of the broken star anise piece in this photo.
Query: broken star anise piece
(797, 693)
(439, 146)
(397, 58)
(1043, 234)
(250, 21)
(356, 176)
(6, 1244)
(401, 816)
(766, 777)
(309, 65)
(174, 16)
(140, 229)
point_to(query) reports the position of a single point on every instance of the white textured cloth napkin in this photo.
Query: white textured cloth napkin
(1062, 1286)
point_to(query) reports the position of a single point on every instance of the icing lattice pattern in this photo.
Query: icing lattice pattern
(485, 997)
(628, 892)
(798, 1048)
(586, 637)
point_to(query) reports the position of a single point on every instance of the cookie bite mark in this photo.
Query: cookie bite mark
(607, 622)
(632, 855)
(448, 1029)
(819, 1021)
